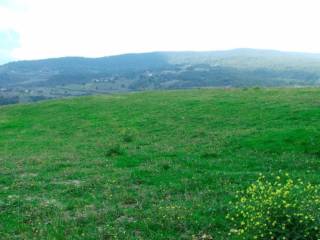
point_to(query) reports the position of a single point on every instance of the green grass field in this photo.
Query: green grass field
(155, 165)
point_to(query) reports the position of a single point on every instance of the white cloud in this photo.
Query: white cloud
(52, 28)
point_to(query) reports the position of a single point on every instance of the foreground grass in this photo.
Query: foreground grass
(160, 165)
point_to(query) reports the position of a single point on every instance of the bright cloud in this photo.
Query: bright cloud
(52, 28)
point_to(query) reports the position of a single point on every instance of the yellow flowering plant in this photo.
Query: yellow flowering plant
(277, 209)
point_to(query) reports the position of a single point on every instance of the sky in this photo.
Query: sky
(36, 29)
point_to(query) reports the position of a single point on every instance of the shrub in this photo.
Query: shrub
(280, 209)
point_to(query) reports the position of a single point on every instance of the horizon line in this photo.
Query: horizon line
(164, 51)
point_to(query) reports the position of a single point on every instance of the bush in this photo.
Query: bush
(281, 209)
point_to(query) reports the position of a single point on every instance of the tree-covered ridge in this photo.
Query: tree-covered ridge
(70, 76)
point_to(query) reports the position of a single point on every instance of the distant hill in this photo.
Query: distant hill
(69, 76)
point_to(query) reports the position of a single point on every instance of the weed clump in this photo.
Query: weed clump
(166, 166)
(127, 136)
(114, 150)
(278, 209)
(209, 155)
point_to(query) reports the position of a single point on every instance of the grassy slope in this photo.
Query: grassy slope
(160, 165)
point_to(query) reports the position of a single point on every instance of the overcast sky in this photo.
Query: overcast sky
(33, 29)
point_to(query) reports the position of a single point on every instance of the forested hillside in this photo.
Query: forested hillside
(72, 76)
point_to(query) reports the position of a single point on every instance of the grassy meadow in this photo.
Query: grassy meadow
(152, 165)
